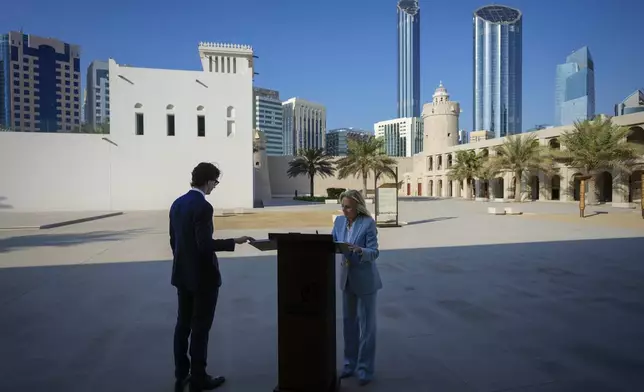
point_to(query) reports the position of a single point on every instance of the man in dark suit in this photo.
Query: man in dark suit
(195, 274)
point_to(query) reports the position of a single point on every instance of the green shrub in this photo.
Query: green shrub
(334, 193)
(310, 198)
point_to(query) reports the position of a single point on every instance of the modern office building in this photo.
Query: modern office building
(497, 70)
(304, 125)
(40, 84)
(97, 94)
(268, 117)
(403, 137)
(337, 140)
(634, 103)
(408, 58)
(575, 88)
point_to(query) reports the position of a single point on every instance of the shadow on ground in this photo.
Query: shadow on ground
(547, 316)
(439, 219)
(64, 239)
(3, 205)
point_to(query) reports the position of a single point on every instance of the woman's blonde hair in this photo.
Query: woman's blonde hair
(361, 206)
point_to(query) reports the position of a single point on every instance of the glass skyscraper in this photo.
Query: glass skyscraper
(408, 58)
(497, 70)
(39, 84)
(575, 88)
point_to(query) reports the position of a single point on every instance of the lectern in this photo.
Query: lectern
(306, 319)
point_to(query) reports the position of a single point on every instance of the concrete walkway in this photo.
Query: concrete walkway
(470, 302)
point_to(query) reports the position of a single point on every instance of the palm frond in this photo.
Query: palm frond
(311, 162)
(593, 146)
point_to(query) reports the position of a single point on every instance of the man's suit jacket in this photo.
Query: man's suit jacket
(361, 276)
(195, 266)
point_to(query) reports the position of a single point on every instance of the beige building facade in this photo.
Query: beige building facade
(429, 176)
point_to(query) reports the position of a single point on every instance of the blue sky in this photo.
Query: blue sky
(343, 53)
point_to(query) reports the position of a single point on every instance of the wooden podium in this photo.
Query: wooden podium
(306, 318)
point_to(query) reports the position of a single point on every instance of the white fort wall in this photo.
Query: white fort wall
(73, 172)
(54, 172)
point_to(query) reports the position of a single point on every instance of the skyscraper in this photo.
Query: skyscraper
(575, 88)
(497, 70)
(97, 94)
(408, 58)
(39, 83)
(268, 118)
(304, 125)
(337, 140)
(402, 137)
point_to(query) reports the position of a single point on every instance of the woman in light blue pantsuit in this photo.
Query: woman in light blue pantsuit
(359, 281)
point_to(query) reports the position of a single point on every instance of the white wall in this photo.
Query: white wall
(54, 172)
(158, 165)
(74, 172)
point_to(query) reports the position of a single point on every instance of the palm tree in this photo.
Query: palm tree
(594, 146)
(311, 162)
(467, 167)
(363, 157)
(520, 154)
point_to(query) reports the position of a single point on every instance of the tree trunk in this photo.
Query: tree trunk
(364, 185)
(312, 185)
(517, 186)
(592, 191)
(472, 190)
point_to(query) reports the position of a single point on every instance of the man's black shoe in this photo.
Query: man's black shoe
(207, 384)
(180, 384)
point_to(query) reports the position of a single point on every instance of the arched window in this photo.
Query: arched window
(169, 107)
(138, 105)
(200, 108)
(230, 121)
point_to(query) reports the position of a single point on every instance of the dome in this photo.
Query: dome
(441, 91)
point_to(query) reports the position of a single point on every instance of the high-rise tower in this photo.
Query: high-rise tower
(497, 70)
(408, 58)
(40, 84)
(575, 88)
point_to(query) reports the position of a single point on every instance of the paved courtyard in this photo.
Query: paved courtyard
(471, 302)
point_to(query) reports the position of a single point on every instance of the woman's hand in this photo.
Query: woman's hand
(355, 249)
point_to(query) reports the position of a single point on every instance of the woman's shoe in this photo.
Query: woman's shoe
(346, 373)
(363, 381)
(362, 378)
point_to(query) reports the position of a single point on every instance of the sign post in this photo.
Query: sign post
(387, 204)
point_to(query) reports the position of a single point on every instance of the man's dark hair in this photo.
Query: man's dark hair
(203, 173)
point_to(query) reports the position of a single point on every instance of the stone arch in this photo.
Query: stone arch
(636, 136)
(554, 144)
(138, 105)
(555, 187)
(440, 162)
(534, 187)
(439, 191)
(605, 187)
(499, 188)
(230, 112)
(575, 184)
(430, 191)
(450, 188)
(449, 161)
(430, 163)
(169, 107)
(485, 152)
(635, 187)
